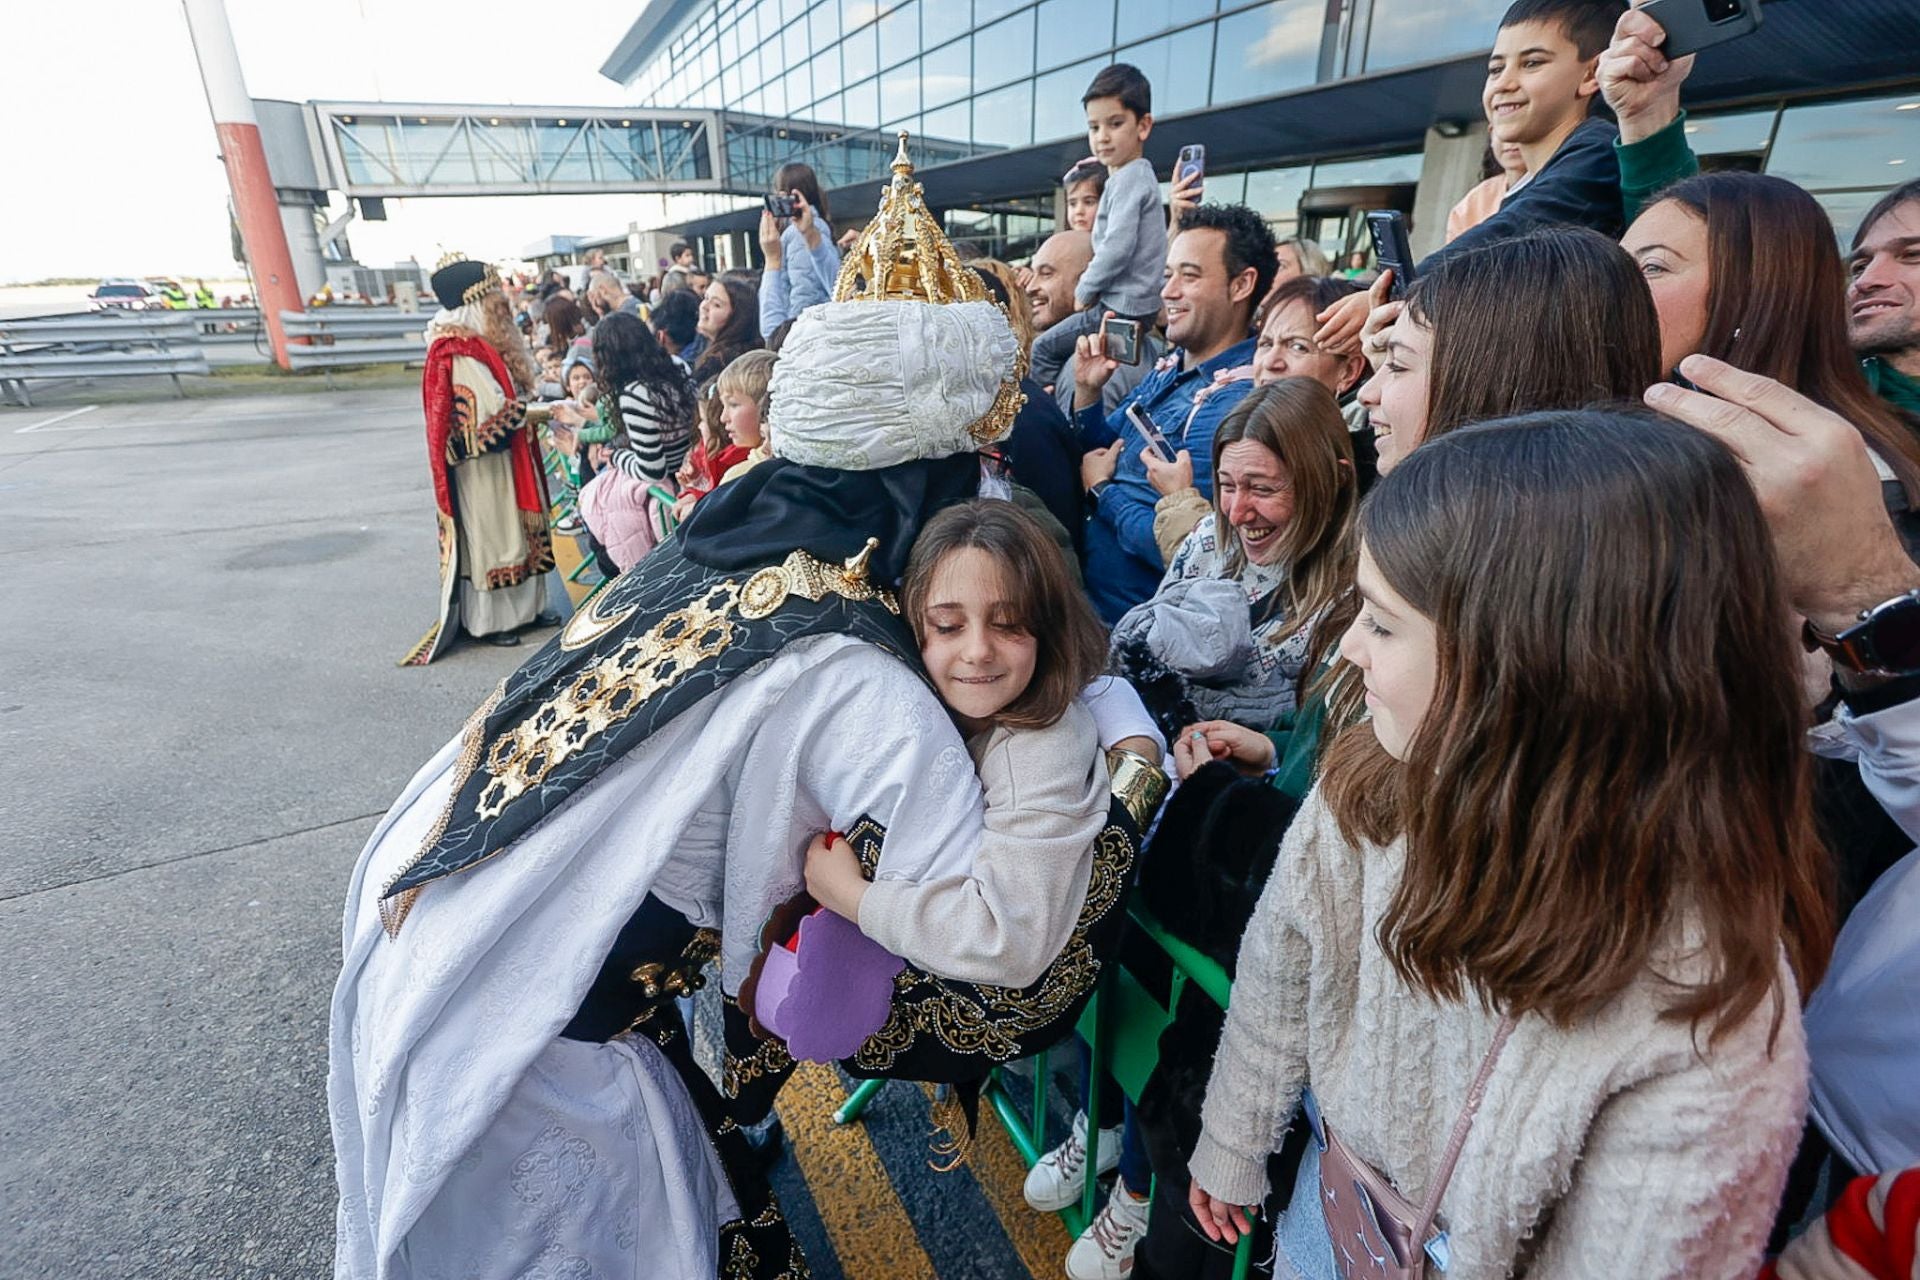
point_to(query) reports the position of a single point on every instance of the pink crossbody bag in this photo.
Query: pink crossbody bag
(1377, 1233)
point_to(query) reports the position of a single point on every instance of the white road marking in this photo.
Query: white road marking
(58, 417)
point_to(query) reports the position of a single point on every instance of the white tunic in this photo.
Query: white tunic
(434, 1031)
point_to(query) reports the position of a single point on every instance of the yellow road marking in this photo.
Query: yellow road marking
(1040, 1239)
(857, 1202)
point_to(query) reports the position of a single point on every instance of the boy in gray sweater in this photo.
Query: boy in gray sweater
(1130, 229)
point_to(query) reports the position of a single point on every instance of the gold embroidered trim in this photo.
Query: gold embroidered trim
(393, 912)
(952, 1140)
(993, 1024)
(591, 622)
(770, 1058)
(607, 691)
(802, 575)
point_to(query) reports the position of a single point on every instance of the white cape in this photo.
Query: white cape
(434, 1032)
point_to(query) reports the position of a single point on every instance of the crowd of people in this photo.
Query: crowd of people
(1531, 644)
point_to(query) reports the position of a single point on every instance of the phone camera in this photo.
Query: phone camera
(1722, 10)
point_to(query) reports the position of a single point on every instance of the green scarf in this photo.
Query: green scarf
(1891, 385)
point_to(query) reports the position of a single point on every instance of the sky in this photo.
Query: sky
(108, 147)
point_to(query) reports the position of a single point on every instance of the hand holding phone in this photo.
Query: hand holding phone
(1156, 439)
(1391, 250)
(1693, 25)
(1192, 165)
(1120, 339)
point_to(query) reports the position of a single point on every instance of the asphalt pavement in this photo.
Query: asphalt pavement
(200, 720)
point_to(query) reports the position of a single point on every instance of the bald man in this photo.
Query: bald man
(1056, 270)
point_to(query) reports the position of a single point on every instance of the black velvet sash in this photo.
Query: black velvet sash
(653, 643)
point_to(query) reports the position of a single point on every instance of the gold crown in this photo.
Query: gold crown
(903, 256)
(488, 282)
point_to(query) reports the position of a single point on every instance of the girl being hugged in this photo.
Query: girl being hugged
(1579, 817)
(1009, 642)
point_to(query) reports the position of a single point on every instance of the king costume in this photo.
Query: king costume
(510, 1087)
(485, 461)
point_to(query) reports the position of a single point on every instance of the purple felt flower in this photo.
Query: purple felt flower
(831, 992)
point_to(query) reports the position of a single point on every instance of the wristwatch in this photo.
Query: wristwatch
(1093, 494)
(1885, 642)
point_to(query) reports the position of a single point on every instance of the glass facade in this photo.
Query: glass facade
(828, 82)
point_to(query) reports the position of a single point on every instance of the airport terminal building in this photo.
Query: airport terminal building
(1309, 109)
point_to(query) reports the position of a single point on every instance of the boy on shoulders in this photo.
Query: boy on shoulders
(1130, 228)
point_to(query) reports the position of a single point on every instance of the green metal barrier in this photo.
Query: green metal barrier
(1122, 1025)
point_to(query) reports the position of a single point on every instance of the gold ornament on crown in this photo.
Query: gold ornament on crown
(903, 256)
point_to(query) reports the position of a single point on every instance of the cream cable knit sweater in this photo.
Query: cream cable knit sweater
(1611, 1149)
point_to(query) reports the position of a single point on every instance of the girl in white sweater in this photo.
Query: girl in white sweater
(1009, 641)
(1581, 803)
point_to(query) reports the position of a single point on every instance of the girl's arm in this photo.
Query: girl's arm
(1047, 803)
(1261, 1064)
(649, 454)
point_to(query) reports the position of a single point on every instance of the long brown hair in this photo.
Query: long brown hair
(498, 328)
(1613, 755)
(1777, 302)
(1044, 599)
(740, 335)
(1554, 319)
(1299, 422)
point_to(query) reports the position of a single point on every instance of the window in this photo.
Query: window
(857, 13)
(1057, 112)
(900, 92)
(943, 20)
(1265, 50)
(793, 44)
(799, 90)
(861, 104)
(985, 11)
(1869, 144)
(1004, 117)
(1275, 194)
(1404, 32)
(1071, 29)
(1372, 171)
(1004, 51)
(1177, 66)
(1733, 133)
(826, 72)
(860, 55)
(948, 125)
(824, 23)
(900, 34)
(1145, 17)
(946, 74)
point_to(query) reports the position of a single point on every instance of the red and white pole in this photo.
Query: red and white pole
(254, 202)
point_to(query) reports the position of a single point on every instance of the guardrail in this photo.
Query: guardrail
(341, 337)
(99, 346)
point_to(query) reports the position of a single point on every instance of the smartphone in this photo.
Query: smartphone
(782, 206)
(1121, 339)
(1388, 227)
(1192, 162)
(1156, 438)
(1692, 25)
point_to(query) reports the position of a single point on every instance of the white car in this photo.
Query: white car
(124, 295)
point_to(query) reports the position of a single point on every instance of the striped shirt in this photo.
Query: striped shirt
(651, 444)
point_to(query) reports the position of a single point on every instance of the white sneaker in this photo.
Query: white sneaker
(1104, 1250)
(1060, 1176)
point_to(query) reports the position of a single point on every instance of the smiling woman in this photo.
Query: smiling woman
(1232, 632)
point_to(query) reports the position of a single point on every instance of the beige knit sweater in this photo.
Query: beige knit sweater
(1611, 1149)
(1047, 802)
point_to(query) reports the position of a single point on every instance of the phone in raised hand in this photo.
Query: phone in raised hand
(1693, 25)
(1191, 164)
(1388, 228)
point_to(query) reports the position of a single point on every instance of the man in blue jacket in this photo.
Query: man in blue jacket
(1219, 265)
